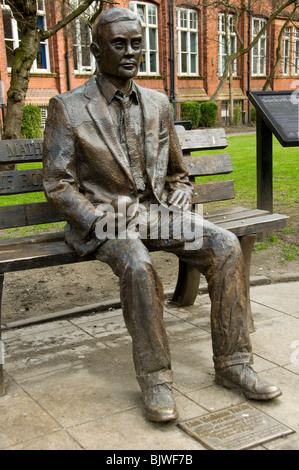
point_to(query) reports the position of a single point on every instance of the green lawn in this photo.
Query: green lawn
(285, 172)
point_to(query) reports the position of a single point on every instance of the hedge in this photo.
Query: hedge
(31, 123)
(208, 114)
(190, 111)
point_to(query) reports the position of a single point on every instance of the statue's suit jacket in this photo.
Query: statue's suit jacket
(85, 165)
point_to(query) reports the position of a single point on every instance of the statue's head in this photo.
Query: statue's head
(117, 43)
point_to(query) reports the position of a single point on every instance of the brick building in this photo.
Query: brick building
(185, 48)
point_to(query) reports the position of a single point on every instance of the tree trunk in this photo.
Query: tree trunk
(20, 74)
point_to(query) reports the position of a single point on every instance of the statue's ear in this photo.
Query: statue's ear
(95, 50)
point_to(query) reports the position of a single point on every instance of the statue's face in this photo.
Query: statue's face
(119, 49)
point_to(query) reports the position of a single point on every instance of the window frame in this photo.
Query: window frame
(286, 51)
(15, 40)
(222, 53)
(188, 30)
(148, 28)
(77, 44)
(258, 48)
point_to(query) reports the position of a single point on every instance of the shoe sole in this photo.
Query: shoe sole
(161, 416)
(251, 395)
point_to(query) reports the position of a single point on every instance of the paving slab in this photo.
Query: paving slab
(70, 384)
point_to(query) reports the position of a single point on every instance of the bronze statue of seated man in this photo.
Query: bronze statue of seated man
(111, 142)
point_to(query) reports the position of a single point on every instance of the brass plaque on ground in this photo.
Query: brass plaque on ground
(238, 427)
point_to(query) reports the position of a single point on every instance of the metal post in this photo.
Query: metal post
(264, 153)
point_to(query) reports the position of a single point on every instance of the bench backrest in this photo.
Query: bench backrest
(20, 181)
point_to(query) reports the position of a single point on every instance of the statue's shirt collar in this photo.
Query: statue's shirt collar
(110, 91)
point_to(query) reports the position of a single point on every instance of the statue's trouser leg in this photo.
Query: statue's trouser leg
(217, 255)
(142, 297)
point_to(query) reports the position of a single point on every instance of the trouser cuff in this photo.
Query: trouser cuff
(227, 361)
(155, 378)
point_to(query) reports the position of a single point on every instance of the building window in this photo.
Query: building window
(260, 49)
(187, 42)
(286, 49)
(13, 37)
(148, 14)
(222, 42)
(296, 51)
(84, 61)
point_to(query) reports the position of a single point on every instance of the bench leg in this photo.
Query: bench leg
(2, 388)
(247, 244)
(187, 285)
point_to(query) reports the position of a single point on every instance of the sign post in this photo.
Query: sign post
(278, 114)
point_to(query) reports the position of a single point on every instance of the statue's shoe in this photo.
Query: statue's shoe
(159, 403)
(244, 379)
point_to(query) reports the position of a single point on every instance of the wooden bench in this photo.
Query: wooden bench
(50, 249)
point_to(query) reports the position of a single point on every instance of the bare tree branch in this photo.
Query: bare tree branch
(245, 50)
(278, 50)
(64, 21)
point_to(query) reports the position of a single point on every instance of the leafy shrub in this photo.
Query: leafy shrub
(208, 114)
(31, 123)
(237, 114)
(253, 114)
(190, 111)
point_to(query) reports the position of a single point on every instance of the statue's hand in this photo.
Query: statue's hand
(179, 199)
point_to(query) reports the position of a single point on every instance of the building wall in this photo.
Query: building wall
(43, 86)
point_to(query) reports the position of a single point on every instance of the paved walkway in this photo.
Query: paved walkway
(70, 383)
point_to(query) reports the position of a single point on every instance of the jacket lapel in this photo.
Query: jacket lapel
(151, 131)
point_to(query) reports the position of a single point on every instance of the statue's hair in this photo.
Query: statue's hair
(112, 15)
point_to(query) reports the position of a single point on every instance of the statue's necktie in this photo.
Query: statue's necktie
(135, 147)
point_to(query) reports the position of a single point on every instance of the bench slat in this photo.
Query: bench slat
(217, 191)
(256, 224)
(48, 237)
(202, 139)
(21, 181)
(206, 165)
(39, 255)
(28, 214)
(245, 214)
(21, 150)
(225, 211)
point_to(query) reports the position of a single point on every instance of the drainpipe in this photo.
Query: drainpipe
(172, 57)
(249, 12)
(66, 55)
(2, 103)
